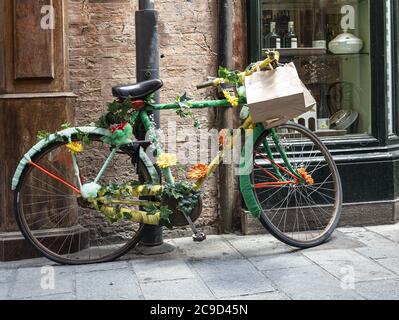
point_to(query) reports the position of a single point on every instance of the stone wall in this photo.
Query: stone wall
(102, 54)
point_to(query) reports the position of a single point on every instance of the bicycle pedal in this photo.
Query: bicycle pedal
(199, 237)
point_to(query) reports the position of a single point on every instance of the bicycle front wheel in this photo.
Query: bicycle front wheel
(297, 186)
(58, 222)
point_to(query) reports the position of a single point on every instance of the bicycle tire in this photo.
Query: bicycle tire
(338, 194)
(38, 246)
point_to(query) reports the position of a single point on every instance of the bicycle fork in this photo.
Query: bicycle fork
(279, 180)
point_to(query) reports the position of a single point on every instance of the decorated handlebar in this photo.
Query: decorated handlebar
(271, 61)
(206, 85)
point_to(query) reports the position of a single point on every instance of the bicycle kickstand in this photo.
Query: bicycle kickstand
(197, 236)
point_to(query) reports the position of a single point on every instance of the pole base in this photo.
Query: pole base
(164, 248)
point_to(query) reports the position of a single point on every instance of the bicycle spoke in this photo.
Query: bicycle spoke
(307, 226)
(41, 189)
(311, 207)
(59, 191)
(42, 202)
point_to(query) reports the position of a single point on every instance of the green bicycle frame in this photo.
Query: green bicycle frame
(194, 105)
(214, 104)
(167, 173)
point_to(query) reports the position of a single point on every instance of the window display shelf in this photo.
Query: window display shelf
(331, 133)
(312, 52)
(299, 52)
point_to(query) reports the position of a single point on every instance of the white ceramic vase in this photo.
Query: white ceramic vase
(346, 43)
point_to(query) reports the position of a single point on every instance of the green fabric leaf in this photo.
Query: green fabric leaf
(231, 77)
(120, 137)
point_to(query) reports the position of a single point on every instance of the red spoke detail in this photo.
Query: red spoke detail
(267, 172)
(54, 176)
(280, 167)
(267, 185)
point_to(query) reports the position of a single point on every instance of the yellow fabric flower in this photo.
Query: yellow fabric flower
(231, 99)
(166, 160)
(75, 147)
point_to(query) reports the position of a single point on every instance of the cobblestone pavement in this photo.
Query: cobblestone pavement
(358, 263)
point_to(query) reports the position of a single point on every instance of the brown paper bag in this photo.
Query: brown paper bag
(277, 96)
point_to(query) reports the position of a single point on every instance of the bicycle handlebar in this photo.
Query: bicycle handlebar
(272, 59)
(205, 85)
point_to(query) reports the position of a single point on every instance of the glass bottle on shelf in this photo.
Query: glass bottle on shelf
(319, 35)
(272, 40)
(267, 17)
(290, 39)
(323, 114)
(282, 19)
(320, 39)
(330, 33)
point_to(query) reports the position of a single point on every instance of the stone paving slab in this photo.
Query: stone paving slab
(367, 237)
(28, 263)
(341, 262)
(6, 275)
(29, 282)
(379, 252)
(390, 231)
(351, 229)
(233, 277)
(186, 289)
(153, 270)
(260, 245)
(280, 261)
(390, 264)
(55, 297)
(4, 289)
(213, 248)
(107, 285)
(103, 267)
(339, 240)
(385, 290)
(267, 296)
(310, 283)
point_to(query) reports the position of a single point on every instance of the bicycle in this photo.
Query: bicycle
(82, 214)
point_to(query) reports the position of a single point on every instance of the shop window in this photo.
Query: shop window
(329, 41)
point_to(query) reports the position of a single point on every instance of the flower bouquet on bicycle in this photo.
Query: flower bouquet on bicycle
(82, 195)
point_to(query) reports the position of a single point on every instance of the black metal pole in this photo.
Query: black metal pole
(227, 180)
(147, 66)
(147, 45)
(225, 34)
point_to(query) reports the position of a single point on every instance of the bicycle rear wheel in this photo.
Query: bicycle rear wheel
(61, 225)
(300, 196)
